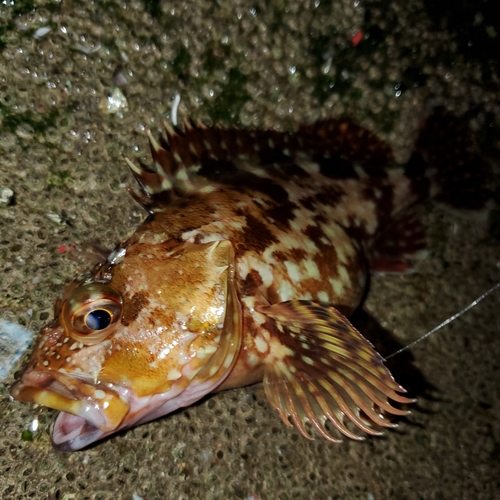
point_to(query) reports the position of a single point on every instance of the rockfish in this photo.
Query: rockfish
(255, 250)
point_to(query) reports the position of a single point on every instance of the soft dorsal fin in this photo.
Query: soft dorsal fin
(341, 138)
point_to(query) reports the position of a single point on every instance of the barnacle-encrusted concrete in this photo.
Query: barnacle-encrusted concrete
(266, 64)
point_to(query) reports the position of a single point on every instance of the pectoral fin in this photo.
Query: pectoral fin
(327, 371)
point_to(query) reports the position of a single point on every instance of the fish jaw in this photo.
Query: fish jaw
(89, 413)
(101, 406)
(72, 432)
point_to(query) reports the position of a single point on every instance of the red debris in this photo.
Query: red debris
(65, 248)
(357, 38)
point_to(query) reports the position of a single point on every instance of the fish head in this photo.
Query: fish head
(139, 338)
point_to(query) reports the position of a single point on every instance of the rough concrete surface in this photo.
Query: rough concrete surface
(249, 63)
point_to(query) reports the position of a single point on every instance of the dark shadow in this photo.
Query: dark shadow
(402, 365)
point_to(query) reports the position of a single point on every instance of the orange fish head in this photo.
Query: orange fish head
(157, 331)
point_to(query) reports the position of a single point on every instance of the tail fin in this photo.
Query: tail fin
(458, 173)
(445, 167)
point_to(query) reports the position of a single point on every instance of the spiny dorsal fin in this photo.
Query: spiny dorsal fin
(180, 153)
(173, 159)
(168, 177)
(152, 187)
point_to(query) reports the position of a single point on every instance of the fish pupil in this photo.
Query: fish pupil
(98, 319)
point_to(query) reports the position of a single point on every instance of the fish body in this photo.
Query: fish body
(256, 248)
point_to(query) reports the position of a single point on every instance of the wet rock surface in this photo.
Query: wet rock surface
(79, 86)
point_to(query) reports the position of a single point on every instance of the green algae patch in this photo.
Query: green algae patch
(181, 62)
(59, 179)
(26, 435)
(39, 122)
(228, 104)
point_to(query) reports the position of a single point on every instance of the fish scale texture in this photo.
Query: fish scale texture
(61, 154)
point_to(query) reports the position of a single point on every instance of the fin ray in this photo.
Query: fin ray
(330, 373)
(181, 152)
(295, 412)
(403, 241)
(307, 398)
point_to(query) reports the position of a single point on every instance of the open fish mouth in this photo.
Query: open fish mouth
(89, 411)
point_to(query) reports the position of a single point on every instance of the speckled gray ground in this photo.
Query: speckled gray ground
(250, 64)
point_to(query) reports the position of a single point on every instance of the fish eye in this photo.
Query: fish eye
(92, 312)
(98, 319)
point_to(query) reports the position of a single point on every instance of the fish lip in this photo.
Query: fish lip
(98, 404)
(72, 433)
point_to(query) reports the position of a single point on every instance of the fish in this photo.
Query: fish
(256, 248)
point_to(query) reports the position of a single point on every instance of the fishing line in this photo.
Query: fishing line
(447, 321)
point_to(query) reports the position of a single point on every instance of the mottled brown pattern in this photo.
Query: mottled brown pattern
(316, 235)
(297, 254)
(320, 219)
(195, 313)
(251, 283)
(274, 191)
(292, 254)
(280, 256)
(329, 196)
(403, 237)
(184, 215)
(286, 170)
(294, 170)
(212, 169)
(192, 279)
(282, 214)
(309, 203)
(256, 236)
(357, 233)
(227, 174)
(259, 204)
(133, 306)
(327, 262)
